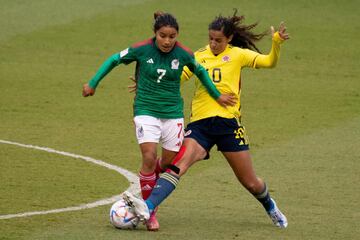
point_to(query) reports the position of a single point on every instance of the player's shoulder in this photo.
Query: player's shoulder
(232, 48)
(184, 49)
(239, 50)
(144, 43)
(204, 51)
(238, 53)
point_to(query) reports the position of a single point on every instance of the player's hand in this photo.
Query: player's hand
(132, 88)
(87, 90)
(282, 31)
(227, 100)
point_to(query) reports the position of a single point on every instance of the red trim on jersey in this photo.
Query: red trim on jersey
(142, 43)
(185, 48)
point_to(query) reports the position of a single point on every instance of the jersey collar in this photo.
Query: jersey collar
(222, 53)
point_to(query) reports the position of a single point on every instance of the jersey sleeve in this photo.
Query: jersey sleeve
(185, 75)
(126, 56)
(270, 60)
(204, 78)
(105, 68)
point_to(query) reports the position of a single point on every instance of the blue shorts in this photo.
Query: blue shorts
(226, 133)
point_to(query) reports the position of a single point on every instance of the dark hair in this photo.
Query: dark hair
(164, 19)
(242, 35)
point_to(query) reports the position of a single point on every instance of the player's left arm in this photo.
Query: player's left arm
(270, 60)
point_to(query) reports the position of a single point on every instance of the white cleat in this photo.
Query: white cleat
(278, 218)
(139, 205)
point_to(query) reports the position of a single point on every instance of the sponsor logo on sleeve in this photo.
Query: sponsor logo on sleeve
(124, 52)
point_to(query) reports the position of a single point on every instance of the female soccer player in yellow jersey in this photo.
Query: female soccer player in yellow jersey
(231, 48)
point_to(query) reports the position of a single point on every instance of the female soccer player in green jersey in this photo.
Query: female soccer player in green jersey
(231, 47)
(158, 106)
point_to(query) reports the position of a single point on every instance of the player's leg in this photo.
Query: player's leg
(190, 152)
(172, 134)
(234, 145)
(148, 133)
(152, 224)
(168, 180)
(241, 164)
(160, 167)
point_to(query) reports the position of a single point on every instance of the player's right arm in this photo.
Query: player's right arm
(106, 67)
(126, 56)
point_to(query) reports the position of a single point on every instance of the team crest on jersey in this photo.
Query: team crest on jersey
(226, 58)
(175, 64)
(187, 133)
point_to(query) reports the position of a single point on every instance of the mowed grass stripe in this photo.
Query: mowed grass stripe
(22, 17)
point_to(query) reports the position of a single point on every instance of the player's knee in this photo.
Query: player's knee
(149, 162)
(148, 166)
(254, 187)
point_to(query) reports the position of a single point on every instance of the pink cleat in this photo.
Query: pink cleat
(152, 224)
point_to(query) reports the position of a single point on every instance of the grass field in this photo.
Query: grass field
(303, 118)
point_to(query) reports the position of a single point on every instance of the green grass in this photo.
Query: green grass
(303, 119)
(38, 180)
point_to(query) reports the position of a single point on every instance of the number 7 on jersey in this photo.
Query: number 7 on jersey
(161, 73)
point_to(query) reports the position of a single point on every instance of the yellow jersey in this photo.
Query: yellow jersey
(225, 71)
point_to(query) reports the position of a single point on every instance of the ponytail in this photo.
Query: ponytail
(242, 35)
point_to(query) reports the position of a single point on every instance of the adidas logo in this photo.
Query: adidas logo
(146, 187)
(150, 61)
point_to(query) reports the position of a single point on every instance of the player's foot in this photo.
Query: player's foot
(152, 224)
(278, 218)
(139, 205)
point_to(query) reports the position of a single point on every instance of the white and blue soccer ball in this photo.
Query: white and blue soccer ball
(123, 216)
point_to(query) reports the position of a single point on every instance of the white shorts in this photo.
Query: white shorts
(170, 132)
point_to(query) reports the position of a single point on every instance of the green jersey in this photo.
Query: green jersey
(158, 77)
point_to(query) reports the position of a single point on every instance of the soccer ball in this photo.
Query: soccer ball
(123, 216)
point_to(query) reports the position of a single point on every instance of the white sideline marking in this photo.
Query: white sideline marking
(132, 178)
